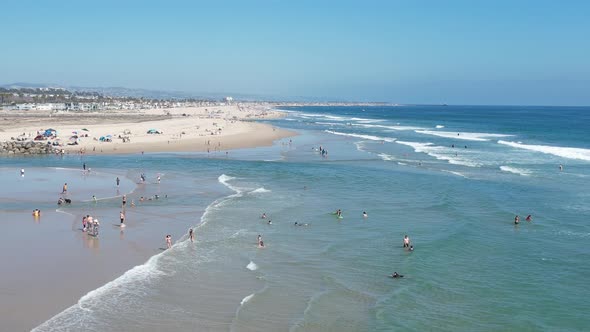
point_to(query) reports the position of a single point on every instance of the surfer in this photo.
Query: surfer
(516, 220)
(396, 275)
(406, 241)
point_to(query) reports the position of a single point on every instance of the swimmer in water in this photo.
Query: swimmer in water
(22, 172)
(560, 167)
(406, 241)
(270, 222)
(301, 224)
(529, 218)
(339, 213)
(396, 275)
(263, 216)
(191, 234)
(259, 239)
(411, 248)
(365, 214)
(260, 244)
(516, 220)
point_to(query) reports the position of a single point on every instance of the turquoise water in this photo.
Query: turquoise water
(472, 268)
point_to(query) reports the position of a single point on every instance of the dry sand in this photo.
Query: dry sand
(181, 129)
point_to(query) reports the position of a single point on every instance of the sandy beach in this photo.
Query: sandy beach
(63, 255)
(213, 128)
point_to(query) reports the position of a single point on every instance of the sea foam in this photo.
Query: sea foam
(246, 299)
(462, 136)
(252, 266)
(440, 153)
(565, 152)
(514, 170)
(367, 137)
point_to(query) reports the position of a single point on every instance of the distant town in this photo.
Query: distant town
(61, 99)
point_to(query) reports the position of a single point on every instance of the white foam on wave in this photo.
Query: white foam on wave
(514, 170)
(246, 299)
(260, 190)
(329, 123)
(134, 278)
(252, 266)
(455, 173)
(439, 126)
(367, 137)
(440, 153)
(386, 156)
(462, 136)
(398, 127)
(565, 152)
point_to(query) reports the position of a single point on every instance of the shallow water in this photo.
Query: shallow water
(472, 268)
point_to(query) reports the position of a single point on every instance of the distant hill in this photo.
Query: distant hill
(168, 95)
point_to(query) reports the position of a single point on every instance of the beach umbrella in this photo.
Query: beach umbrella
(109, 136)
(73, 139)
(84, 129)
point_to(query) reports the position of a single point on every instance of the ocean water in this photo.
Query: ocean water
(451, 178)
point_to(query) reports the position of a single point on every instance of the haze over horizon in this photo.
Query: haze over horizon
(422, 52)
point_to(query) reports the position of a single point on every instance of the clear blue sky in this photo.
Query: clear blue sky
(455, 52)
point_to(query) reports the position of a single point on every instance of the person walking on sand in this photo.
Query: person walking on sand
(191, 234)
(169, 241)
(64, 189)
(84, 166)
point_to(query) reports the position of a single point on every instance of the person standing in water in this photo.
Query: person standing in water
(84, 166)
(159, 179)
(22, 172)
(191, 234)
(122, 217)
(118, 181)
(64, 189)
(560, 167)
(169, 241)
(516, 220)
(406, 241)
